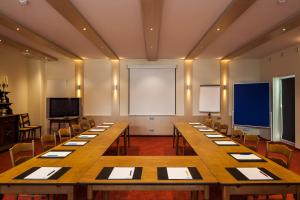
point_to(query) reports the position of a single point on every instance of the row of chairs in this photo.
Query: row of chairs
(275, 151)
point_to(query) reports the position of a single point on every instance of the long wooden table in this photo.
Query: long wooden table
(216, 158)
(149, 180)
(80, 161)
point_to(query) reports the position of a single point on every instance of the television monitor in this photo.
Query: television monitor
(63, 107)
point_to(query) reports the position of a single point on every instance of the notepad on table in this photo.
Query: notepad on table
(87, 136)
(206, 130)
(194, 123)
(215, 136)
(102, 126)
(225, 142)
(75, 143)
(56, 154)
(200, 126)
(42, 173)
(96, 130)
(122, 173)
(245, 156)
(179, 173)
(254, 173)
(108, 123)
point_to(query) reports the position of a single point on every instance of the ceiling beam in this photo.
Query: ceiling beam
(70, 13)
(232, 12)
(34, 37)
(278, 30)
(25, 50)
(151, 13)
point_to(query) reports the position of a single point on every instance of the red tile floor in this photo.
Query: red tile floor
(150, 146)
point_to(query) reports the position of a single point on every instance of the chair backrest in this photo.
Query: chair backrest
(273, 147)
(217, 125)
(208, 122)
(237, 133)
(64, 133)
(251, 141)
(19, 148)
(223, 129)
(84, 124)
(48, 141)
(25, 121)
(76, 129)
(92, 123)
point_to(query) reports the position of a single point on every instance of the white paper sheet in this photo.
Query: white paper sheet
(253, 173)
(56, 154)
(245, 156)
(75, 143)
(179, 173)
(102, 126)
(200, 126)
(194, 123)
(215, 136)
(87, 136)
(225, 142)
(108, 123)
(96, 130)
(206, 130)
(43, 173)
(122, 173)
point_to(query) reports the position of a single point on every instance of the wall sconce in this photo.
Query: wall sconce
(188, 87)
(78, 87)
(116, 87)
(224, 87)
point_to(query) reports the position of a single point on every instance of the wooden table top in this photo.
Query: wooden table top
(216, 158)
(149, 173)
(80, 160)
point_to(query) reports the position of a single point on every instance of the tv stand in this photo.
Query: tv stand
(60, 120)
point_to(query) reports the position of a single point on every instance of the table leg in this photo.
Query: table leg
(194, 195)
(118, 149)
(128, 136)
(125, 142)
(89, 193)
(174, 135)
(105, 195)
(225, 194)
(177, 142)
(206, 192)
(70, 196)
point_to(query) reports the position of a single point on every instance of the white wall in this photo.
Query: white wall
(124, 82)
(98, 87)
(14, 65)
(205, 72)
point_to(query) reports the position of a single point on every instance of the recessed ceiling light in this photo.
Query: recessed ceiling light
(283, 29)
(0, 40)
(281, 1)
(17, 28)
(218, 29)
(23, 2)
(26, 50)
(84, 29)
(151, 29)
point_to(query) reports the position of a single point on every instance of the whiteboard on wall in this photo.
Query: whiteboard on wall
(209, 98)
(97, 88)
(152, 90)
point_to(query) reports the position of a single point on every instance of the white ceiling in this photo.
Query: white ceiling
(184, 22)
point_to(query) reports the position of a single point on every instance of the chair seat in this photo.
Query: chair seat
(279, 161)
(33, 127)
(22, 159)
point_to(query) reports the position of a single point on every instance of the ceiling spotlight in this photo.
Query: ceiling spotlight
(84, 29)
(23, 2)
(151, 29)
(27, 50)
(283, 29)
(0, 40)
(281, 1)
(218, 29)
(17, 28)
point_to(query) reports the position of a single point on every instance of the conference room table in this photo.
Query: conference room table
(79, 161)
(217, 159)
(149, 179)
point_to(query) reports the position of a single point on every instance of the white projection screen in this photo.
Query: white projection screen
(209, 99)
(152, 90)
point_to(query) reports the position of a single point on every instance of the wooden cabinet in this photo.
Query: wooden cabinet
(9, 131)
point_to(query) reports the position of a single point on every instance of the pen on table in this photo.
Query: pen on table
(51, 173)
(130, 172)
(264, 174)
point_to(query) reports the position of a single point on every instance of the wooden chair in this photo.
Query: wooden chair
(251, 141)
(25, 123)
(64, 134)
(237, 134)
(208, 122)
(217, 126)
(48, 141)
(284, 154)
(75, 129)
(20, 148)
(223, 129)
(92, 123)
(84, 124)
